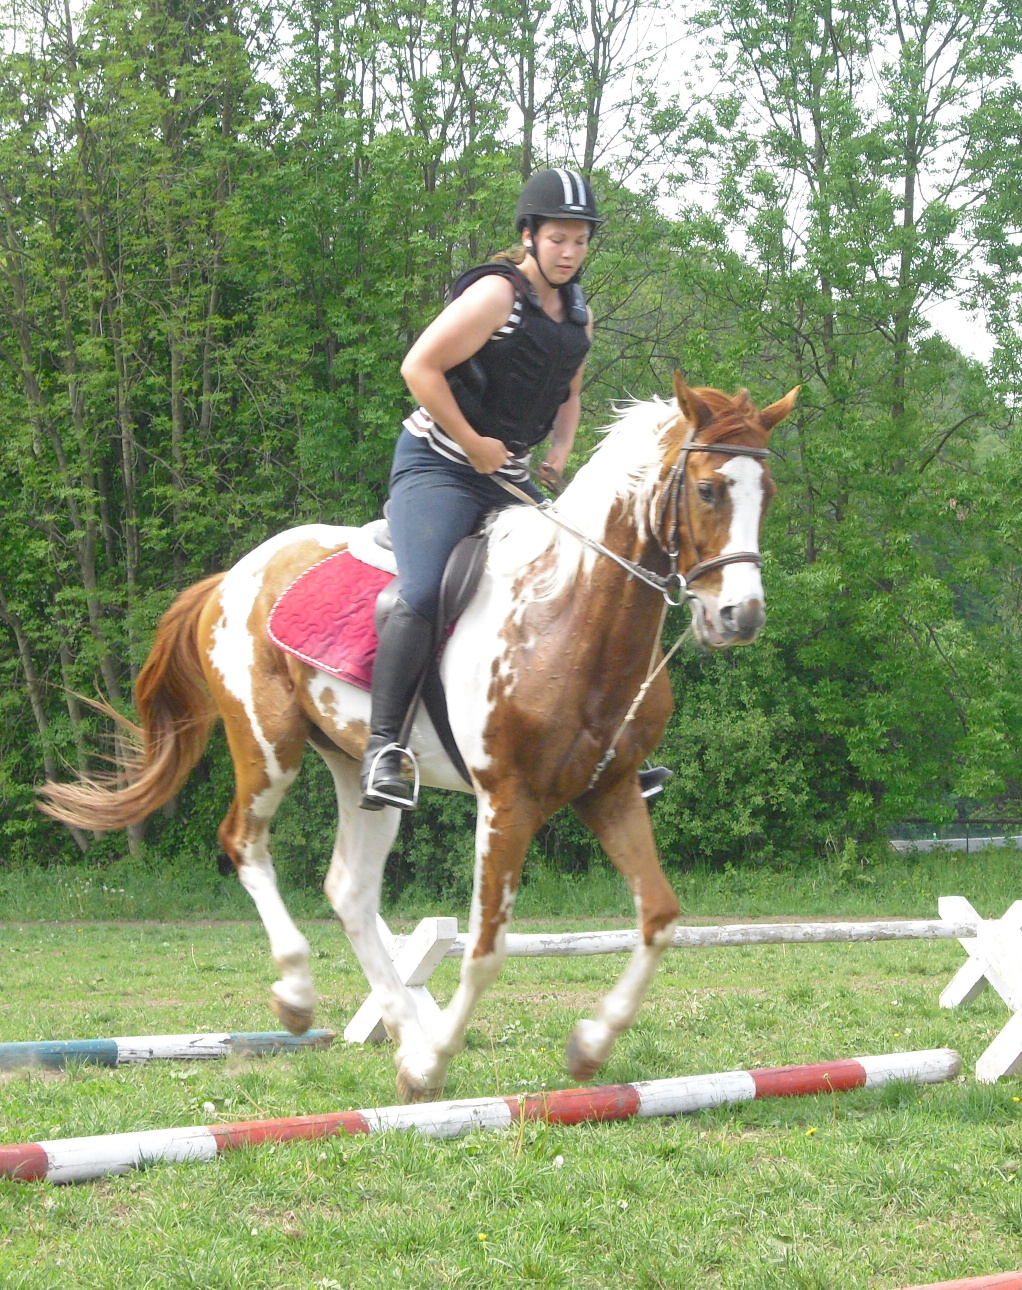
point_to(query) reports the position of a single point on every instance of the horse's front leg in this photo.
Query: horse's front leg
(620, 819)
(505, 826)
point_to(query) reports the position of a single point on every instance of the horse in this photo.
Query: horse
(556, 695)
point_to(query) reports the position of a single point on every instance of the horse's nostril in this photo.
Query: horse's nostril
(743, 620)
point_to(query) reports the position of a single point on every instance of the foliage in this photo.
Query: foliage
(221, 226)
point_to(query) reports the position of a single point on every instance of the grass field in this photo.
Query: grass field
(871, 1189)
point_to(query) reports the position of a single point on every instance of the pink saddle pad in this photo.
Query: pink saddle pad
(325, 617)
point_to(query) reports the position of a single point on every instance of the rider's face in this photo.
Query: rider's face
(561, 246)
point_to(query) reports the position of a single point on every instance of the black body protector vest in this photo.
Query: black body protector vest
(512, 387)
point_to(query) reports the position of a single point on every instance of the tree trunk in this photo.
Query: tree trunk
(33, 687)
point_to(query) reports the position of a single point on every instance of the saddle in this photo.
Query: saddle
(330, 617)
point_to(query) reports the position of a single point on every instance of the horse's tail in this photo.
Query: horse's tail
(156, 757)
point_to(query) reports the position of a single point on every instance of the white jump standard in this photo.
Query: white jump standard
(995, 959)
(70, 1160)
(994, 947)
(414, 957)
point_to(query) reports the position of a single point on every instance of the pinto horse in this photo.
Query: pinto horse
(541, 672)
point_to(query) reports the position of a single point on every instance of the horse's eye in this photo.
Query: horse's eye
(706, 491)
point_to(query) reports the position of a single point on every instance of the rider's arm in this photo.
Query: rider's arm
(562, 432)
(460, 331)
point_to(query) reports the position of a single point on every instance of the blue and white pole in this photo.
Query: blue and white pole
(55, 1054)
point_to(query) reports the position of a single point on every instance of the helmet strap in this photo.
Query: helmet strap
(533, 226)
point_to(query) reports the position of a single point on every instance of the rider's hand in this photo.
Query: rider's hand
(487, 455)
(550, 476)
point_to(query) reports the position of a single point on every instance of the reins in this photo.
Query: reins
(675, 498)
(655, 580)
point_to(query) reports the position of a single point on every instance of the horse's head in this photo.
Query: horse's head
(708, 509)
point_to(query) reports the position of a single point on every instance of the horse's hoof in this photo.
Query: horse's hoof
(297, 1020)
(412, 1091)
(416, 1081)
(413, 1088)
(578, 1059)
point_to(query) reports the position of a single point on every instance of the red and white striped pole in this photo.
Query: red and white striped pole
(82, 1159)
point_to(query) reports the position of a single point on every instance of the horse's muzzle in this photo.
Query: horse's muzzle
(740, 623)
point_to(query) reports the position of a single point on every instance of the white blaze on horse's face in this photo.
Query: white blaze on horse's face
(735, 614)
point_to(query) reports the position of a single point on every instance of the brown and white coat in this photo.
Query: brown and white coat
(539, 673)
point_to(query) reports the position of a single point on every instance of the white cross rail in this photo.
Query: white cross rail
(994, 947)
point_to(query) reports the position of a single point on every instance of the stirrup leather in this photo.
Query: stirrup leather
(374, 794)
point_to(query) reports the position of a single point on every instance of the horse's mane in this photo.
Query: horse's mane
(622, 470)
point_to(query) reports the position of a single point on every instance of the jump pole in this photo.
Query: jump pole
(569, 944)
(55, 1054)
(993, 947)
(416, 955)
(84, 1159)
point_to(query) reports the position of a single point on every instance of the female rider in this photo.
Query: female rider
(495, 373)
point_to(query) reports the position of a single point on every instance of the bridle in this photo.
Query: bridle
(674, 587)
(674, 499)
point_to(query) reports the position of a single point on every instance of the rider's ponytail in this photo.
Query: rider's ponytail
(513, 255)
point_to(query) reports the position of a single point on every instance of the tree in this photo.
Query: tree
(850, 183)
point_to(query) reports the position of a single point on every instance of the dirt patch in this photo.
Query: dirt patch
(34, 1069)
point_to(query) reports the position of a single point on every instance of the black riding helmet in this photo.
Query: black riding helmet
(555, 194)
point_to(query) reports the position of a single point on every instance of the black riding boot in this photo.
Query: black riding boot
(406, 644)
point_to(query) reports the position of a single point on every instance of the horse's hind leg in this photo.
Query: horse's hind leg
(620, 819)
(263, 772)
(352, 886)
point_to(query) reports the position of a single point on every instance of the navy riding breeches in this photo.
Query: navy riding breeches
(434, 503)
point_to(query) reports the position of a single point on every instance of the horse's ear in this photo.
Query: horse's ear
(695, 410)
(776, 412)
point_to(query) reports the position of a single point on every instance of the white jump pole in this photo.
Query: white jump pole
(569, 944)
(994, 947)
(55, 1054)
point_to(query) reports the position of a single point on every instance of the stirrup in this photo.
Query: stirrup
(652, 779)
(371, 795)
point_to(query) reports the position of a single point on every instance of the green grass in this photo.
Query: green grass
(866, 1190)
(898, 886)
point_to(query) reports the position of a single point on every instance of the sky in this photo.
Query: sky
(964, 330)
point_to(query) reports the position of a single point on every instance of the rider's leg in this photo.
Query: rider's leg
(434, 503)
(405, 645)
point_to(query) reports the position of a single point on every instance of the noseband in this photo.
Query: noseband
(674, 503)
